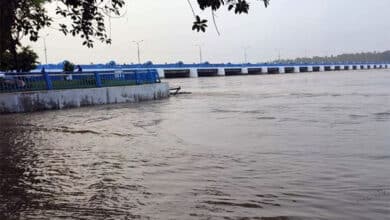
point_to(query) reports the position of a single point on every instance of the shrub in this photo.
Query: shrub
(68, 66)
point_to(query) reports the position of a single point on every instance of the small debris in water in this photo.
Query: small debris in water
(176, 91)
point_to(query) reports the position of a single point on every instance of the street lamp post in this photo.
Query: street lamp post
(44, 47)
(246, 54)
(200, 52)
(138, 50)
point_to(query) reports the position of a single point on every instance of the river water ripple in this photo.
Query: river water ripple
(294, 146)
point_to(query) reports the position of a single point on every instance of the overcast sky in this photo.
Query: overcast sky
(291, 28)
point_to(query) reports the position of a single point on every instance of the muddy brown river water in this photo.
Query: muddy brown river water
(293, 146)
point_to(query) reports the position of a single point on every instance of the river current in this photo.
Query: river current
(288, 146)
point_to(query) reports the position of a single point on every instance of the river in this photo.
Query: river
(288, 146)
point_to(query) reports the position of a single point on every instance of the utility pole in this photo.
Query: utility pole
(246, 54)
(138, 49)
(45, 48)
(200, 52)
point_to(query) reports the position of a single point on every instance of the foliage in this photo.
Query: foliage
(237, 6)
(86, 19)
(20, 18)
(148, 63)
(351, 57)
(68, 66)
(26, 60)
(25, 18)
(112, 63)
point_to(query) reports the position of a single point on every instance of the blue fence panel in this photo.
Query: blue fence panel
(11, 82)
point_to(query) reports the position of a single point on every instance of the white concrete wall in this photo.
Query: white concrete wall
(281, 69)
(161, 73)
(193, 73)
(72, 98)
(221, 71)
(244, 71)
(310, 68)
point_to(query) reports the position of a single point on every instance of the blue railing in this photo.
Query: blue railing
(17, 82)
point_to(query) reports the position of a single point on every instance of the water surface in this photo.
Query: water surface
(293, 146)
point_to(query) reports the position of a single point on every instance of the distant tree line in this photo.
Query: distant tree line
(347, 57)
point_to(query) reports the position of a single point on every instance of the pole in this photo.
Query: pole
(200, 53)
(44, 42)
(246, 54)
(45, 48)
(138, 50)
(139, 56)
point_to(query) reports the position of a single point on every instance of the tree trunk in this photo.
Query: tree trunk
(7, 19)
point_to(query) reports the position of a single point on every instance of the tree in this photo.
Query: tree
(19, 18)
(26, 59)
(112, 63)
(237, 6)
(68, 66)
(86, 19)
(25, 18)
(148, 63)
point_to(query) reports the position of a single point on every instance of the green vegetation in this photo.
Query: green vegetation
(237, 6)
(86, 19)
(374, 57)
(68, 66)
(25, 58)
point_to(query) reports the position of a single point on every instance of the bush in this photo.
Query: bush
(112, 63)
(26, 60)
(68, 66)
(148, 63)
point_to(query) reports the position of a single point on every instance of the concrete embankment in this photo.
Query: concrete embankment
(73, 98)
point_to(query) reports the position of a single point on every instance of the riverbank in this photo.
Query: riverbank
(19, 102)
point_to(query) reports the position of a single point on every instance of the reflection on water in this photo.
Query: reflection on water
(253, 147)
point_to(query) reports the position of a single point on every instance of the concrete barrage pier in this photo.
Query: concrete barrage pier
(19, 102)
(189, 71)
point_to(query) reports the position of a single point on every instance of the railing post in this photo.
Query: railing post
(49, 85)
(149, 77)
(98, 80)
(136, 78)
(157, 77)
